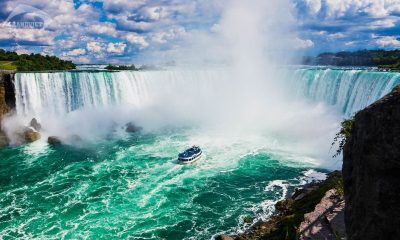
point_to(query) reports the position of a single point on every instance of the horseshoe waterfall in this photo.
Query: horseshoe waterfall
(105, 182)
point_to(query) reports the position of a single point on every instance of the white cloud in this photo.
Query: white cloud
(383, 23)
(94, 47)
(75, 52)
(168, 35)
(66, 43)
(104, 28)
(117, 48)
(314, 6)
(126, 24)
(388, 41)
(117, 6)
(37, 36)
(337, 35)
(136, 39)
(343, 8)
(302, 44)
(349, 43)
(21, 50)
(5, 35)
(155, 12)
(83, 60)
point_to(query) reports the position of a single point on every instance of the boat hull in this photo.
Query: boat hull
(186, 162)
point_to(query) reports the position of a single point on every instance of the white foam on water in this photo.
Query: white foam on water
(313, 176)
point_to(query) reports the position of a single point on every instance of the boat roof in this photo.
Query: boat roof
(190, 152)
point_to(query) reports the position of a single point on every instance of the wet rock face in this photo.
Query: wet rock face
(31, 135)
(7, 92)
(3, 140)
(132, 127)
(7, 100)
(371, 171)
(35, 124)
(52, 140)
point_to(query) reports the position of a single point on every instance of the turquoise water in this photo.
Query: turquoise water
(131, 187)
(115, 185)
(349, 90)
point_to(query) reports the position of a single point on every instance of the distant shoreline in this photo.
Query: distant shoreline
(381, 59)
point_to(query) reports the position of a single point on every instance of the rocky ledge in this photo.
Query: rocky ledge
(371, 171)
(313, 211)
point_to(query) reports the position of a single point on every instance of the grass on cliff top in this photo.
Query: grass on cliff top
(287, 225)
(7, 65)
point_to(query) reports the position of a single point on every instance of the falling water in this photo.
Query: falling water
(59, 93)
(349, 90)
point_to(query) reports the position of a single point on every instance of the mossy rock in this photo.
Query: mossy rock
(286, 224)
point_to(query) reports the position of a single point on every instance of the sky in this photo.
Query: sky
(128, 31)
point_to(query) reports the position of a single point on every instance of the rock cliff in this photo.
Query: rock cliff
(7, 99)
(7, 92)
(371, 171)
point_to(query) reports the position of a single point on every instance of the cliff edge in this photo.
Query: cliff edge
(7, 92)
(7, 99)
(371, 171)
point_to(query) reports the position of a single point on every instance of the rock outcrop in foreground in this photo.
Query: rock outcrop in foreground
(327, 219)
(371, 171)
(319, 219)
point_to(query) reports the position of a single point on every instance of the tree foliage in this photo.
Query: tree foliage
(36, 62)
(121, 67)
(343, 135)
(372, 58)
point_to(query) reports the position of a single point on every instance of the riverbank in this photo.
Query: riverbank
(303, 214)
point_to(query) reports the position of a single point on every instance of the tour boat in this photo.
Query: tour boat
(190, 155)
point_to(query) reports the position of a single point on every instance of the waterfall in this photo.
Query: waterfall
(95, 105)
(58, 93)
(348, 90)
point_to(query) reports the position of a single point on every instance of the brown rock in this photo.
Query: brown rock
(3, 140)
(224, 237)
(131, 127)
(284, 206)
(300, 193)
(35, 124)
(53, 140)
(371, 171)
(317, 225)
(248, 219)
(31, 135)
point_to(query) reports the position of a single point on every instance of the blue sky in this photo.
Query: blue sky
(96, 31)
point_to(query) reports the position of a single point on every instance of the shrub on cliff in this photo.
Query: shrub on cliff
(343, 135)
